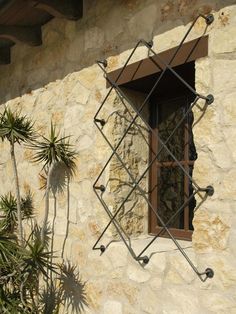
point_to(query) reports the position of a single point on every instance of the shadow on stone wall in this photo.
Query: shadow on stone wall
(105, 30)
(71, 292)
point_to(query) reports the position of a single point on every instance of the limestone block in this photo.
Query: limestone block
(85, 142)
(88, 77)
(156, 283)
(137, 274)
(218, 302)
(79, 254)
(60, 226)
(121, 288)
(203, 167)
(117, 255)
(148, 301)
(102, 263)
(93, 292)
(73, 210)
(224, 267)
(73, 114)
(83, 212)
(157, 263)
(224, 79)
(203, 78)
(222, 156)
(227, 42)
(211, 232)
(112, 307)
(79, 94)
(178, 265)
(228, 112)
(230, 138)
(180, 301)
(173, 277)
(228, 185)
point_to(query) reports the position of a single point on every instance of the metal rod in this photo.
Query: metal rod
(209, 190)
(110, 216)
(122, 70)
(117, 226)
(150, 129)
(169, 221)
(135, 183)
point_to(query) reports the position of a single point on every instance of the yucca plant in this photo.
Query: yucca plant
(8, 209)
(52, 152)
(9, 251)
(16, 128)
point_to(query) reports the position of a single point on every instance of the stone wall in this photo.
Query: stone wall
(60, 80)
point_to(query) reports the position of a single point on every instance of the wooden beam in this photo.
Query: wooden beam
(68, 9)
(190, 51)
(5, 55)
(30, 35)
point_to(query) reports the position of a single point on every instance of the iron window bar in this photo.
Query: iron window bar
(208, 273)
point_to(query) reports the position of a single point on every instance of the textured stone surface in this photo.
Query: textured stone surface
(60, 81)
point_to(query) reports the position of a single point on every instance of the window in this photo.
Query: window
(170, 187)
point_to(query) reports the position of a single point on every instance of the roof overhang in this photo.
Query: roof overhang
(21, 21)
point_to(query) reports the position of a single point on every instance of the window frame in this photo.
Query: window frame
(153, 228)
(140, 70)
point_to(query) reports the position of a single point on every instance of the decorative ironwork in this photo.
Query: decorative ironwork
(167, 151)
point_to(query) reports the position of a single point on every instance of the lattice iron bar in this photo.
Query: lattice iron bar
(209, 100)
(208, 273)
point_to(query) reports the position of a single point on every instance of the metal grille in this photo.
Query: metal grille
(164, 148)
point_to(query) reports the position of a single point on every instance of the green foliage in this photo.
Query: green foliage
(53, 149)
(16, 128)
(9, 251)
(30, 282)
(8, 208)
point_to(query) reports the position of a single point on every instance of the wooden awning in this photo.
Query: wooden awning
(21, 21)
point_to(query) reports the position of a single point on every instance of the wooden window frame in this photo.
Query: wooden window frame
(153, 228)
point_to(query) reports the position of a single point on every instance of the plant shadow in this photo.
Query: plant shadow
(67, 290)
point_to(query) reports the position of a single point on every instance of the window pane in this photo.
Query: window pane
(170, 195)
(169, 115)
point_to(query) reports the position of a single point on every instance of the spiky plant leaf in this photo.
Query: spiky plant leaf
(8, 209)
(54, 149)
(10, 251)
(37, 258)
(27, 206)
(15, 127)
